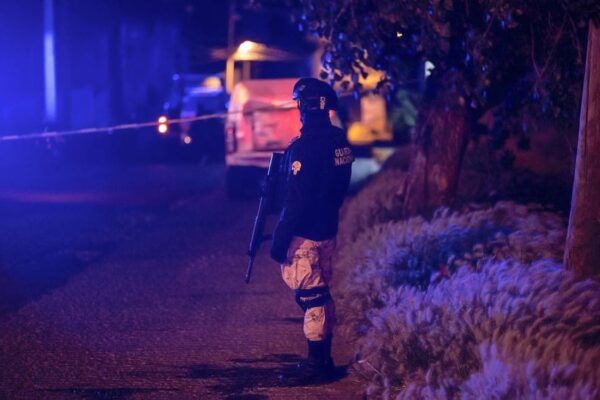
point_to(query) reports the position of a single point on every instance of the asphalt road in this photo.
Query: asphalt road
(127, 283)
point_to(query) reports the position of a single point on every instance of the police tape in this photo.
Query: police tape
(122, 127)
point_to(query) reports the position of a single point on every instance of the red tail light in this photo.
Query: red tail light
(230, 139)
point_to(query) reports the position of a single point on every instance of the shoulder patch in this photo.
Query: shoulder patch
(296, 165)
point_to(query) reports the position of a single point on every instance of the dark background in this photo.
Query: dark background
(114, 64)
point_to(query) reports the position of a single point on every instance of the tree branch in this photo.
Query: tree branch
(535, 66)
(337, 17)
(576, 40)
(554, 46)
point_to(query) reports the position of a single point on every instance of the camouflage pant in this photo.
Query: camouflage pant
(307, 270)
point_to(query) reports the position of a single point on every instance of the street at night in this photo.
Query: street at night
(299, 200)
(128, 283)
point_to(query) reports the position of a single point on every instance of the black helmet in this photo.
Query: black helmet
(314, 95)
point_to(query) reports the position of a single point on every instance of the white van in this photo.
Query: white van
(263, 118)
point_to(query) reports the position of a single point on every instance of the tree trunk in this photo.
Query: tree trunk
(437, 152)
(582, 252)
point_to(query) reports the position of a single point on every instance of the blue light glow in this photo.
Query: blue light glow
(49, 61)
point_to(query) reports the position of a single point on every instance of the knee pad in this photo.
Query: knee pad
(314, 297)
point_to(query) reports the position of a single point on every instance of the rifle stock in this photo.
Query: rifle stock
(265, 205)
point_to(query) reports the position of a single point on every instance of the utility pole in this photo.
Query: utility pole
(231, 48)
(49, 63)
(582, 251)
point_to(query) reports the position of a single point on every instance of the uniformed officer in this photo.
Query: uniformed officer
(316, 170)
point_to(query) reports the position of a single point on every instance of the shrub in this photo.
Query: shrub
(508, 331)
(471, 304)
(380, 201)
(416, 252)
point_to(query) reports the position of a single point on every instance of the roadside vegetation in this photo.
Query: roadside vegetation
(462, 274)
(471, 304)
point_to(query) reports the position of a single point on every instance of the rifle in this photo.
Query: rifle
(266, 205)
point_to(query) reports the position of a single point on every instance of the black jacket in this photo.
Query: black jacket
(316, 169)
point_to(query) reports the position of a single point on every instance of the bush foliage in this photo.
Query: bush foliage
(380, 201)
(471, 304)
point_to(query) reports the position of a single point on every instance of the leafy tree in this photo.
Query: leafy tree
(514, 62)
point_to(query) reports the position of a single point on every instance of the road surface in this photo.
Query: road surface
(126, 282)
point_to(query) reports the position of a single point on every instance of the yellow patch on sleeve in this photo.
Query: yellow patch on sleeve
(296, 165)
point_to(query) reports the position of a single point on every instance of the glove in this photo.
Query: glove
(278, 253)
(281, 243)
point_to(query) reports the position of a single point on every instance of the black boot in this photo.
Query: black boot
(317, 369)
(328, 361)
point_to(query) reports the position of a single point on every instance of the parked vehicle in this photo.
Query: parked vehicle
(262, 118)
(193, 95)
